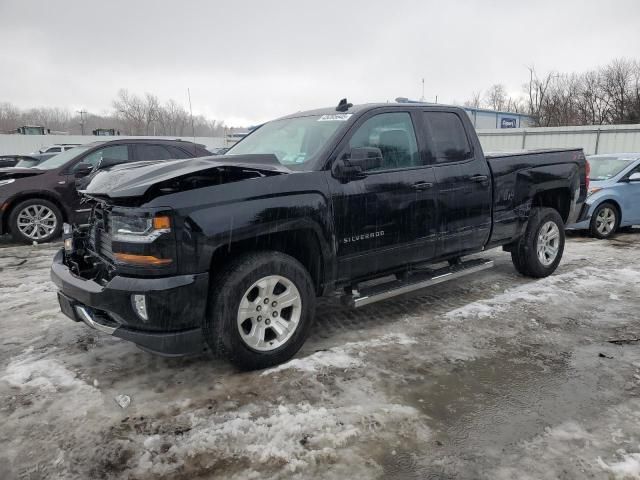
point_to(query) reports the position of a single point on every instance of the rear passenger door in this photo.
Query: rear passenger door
(463, 183)
(149, 151)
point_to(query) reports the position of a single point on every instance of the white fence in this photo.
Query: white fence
(23, 144)
(603, 139)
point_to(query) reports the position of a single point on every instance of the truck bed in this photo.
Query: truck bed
(518, 176)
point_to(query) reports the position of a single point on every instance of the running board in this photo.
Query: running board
(415, 281)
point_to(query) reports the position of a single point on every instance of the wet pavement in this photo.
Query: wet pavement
(492, 376)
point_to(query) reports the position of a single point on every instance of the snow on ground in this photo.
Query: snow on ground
(493, 376)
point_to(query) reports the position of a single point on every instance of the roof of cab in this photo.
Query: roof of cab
(360, 108)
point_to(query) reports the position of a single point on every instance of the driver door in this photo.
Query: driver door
(631, 198)
(387, 218)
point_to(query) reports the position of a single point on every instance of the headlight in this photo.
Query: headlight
(7, 181)
(139, 229)
(593, 190)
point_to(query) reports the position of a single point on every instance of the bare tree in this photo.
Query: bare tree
(496, 97)
(131, 110)
(475, 100)
(537, 96)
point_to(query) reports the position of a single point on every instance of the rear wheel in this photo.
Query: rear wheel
(604, 221)
(540, 249)
(261, 308)
(35, 220)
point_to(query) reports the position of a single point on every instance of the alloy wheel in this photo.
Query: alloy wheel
(548, 243)
(37, 222)
(269, 313)
(605, 221)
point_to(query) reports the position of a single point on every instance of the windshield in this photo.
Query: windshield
(604, 168)
(27, 162)
(294, 141)
(62, 158)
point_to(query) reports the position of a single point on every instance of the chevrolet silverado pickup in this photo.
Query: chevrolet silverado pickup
(373, 200)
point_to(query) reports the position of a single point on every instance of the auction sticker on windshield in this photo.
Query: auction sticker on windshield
(335, 117)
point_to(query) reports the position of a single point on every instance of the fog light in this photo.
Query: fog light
(68, 244)
(66, 229)
(140, 305)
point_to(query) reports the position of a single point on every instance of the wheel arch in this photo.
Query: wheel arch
(556, 198)
(303, 244)
(610, 200)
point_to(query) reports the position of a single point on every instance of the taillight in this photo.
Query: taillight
(587, 170)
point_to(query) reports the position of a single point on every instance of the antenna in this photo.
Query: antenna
(193, 128)
(422, 97)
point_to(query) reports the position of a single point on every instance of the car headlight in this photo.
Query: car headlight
(139, 229)
(593, 190)
(7, 181)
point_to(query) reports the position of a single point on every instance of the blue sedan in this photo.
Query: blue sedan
(614, 194)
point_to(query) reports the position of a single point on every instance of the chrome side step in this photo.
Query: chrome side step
(415, 281)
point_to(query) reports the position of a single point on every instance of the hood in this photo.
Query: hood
(12, 172)
(167, 176)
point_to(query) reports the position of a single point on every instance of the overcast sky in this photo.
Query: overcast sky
(250, 61)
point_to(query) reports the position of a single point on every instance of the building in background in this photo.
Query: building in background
(482, 118)
(485, 119)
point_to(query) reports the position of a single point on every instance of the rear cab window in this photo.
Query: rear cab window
(447, 139)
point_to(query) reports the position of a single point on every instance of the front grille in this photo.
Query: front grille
(99, 233)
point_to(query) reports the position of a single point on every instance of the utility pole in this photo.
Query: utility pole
(82, 113)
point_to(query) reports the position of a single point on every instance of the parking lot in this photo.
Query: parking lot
(493, 376)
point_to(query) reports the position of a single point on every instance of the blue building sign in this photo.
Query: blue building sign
(508, 122)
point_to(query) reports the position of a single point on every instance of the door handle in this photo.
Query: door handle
(422, 185)
(479, 178)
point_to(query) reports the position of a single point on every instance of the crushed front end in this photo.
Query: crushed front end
(119, 274)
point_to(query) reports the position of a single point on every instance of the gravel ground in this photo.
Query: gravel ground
(493, 376)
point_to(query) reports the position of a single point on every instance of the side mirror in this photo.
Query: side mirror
(635, 177)
(354, 163)
(109, 162)
(83, 169)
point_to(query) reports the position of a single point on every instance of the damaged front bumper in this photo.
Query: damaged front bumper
(175, 307)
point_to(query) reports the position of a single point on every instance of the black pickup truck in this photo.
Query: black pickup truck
(231, 251)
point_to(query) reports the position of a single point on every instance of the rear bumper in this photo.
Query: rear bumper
(175, 306)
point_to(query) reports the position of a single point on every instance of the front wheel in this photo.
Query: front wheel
(35, 220)
(261, 308)
(540, 249)
(604, 221)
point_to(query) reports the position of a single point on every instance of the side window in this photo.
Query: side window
(54, 149)
(177, 152)
(448, 139)
(394, 135)
(152, 152)
(117, 152)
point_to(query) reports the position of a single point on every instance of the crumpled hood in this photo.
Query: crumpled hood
(134, 179)
(13, 172)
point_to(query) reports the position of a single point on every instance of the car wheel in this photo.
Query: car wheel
(539, 251)
(35, 220)
(260, 310)
(604, 221)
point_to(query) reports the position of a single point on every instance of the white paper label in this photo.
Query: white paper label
(335, 117)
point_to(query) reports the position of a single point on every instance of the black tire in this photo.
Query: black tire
(602, 209)
(20, 236)
(524, 255)
(221, 330)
